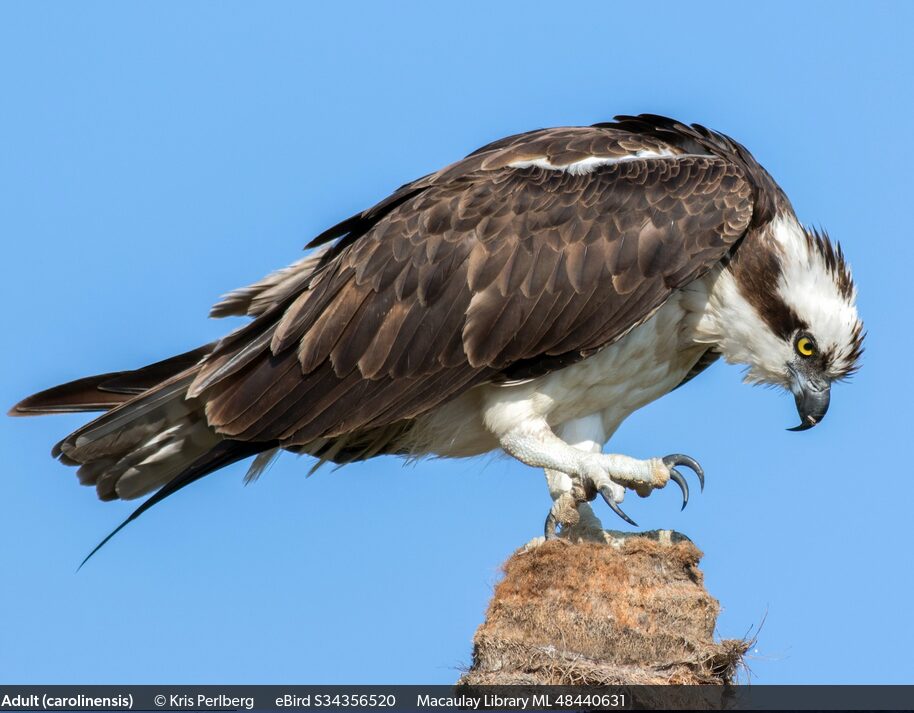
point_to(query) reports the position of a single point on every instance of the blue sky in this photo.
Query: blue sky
(154, 156)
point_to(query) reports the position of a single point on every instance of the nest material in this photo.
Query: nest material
(623, 611)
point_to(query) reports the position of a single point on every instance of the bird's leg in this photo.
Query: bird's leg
(534, 443)
(571, 507)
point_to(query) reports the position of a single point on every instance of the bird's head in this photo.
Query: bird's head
(793, 317)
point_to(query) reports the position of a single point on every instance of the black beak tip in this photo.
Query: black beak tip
(805, 426)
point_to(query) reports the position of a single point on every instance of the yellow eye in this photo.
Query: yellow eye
(806, 347)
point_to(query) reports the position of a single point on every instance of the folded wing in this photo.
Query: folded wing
(524, 257)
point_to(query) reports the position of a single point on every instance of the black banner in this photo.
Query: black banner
(452, 698)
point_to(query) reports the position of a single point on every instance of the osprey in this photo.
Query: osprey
(528, 297)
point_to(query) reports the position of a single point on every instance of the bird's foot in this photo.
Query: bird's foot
(593, 472)
(604, 474)
(564, 512)
(571, 510)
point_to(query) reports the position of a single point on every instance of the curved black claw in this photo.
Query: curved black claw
(678, 459)
(549, 531)
(614, 506)
(677, 478)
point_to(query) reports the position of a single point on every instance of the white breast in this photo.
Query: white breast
(647, 363)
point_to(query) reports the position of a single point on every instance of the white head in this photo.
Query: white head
(785, 307)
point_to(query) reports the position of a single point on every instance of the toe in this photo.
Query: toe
(617, 491)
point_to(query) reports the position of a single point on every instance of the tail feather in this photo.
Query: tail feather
(149, 434)
(163, 451)
(129, 423)
(224, 453)
(142, 444)
(105, 391)
(152, 438)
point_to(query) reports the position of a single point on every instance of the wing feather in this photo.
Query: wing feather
(478, 273)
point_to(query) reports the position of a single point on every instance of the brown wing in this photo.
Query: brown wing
(477, 273)
(255, 299)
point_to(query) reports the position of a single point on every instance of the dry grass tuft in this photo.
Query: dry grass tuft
(623, 611)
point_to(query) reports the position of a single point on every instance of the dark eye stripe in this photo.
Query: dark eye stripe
(755, 272)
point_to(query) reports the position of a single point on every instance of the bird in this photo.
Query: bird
(527, 298)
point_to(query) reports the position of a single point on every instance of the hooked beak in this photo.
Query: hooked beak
(812, 396)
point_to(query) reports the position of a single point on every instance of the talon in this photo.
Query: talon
(608, 497)
(550, 527)
(677, 478)
(679, 459)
